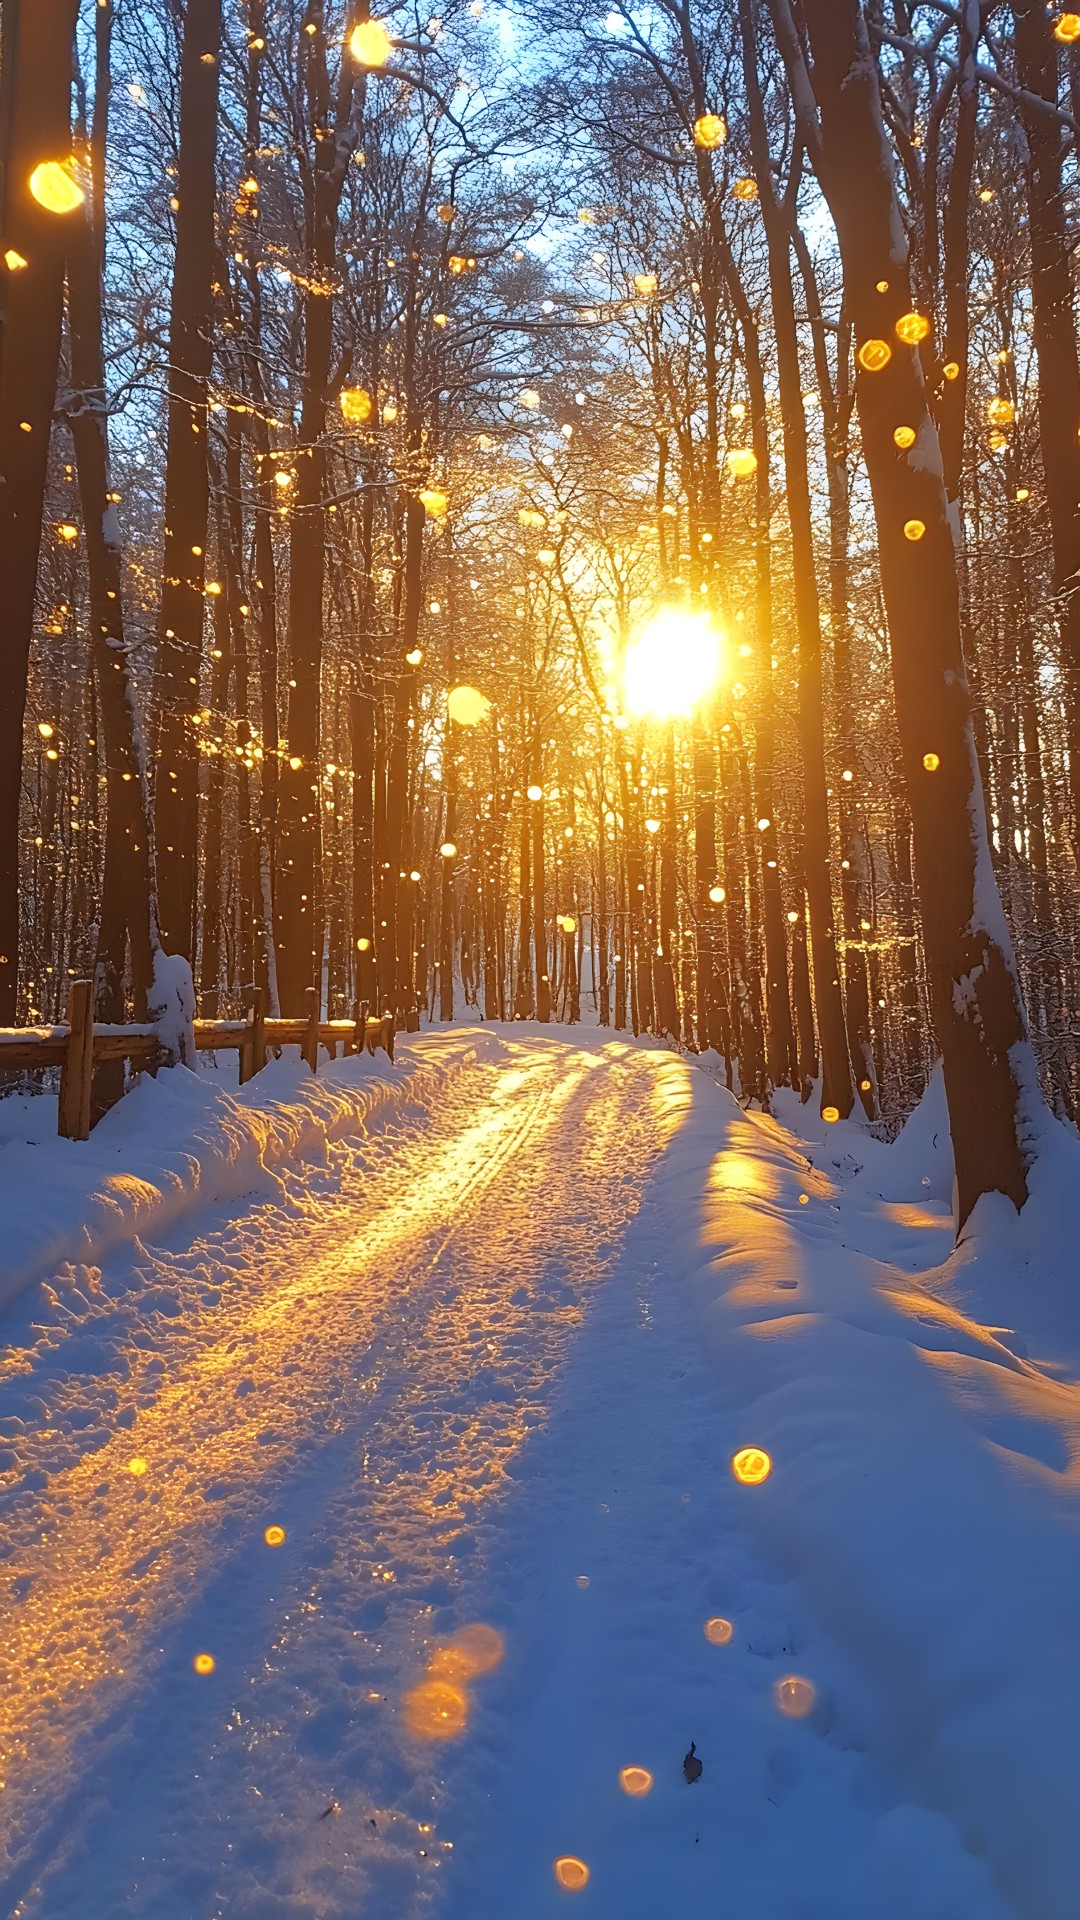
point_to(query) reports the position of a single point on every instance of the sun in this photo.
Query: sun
(673, 662)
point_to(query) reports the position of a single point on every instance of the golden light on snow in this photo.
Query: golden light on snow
(204, 1663)
(830, 1115)
(873, 355)
(718, 1631)
(911, 328)
(673, 662)
(571, 1873)
(745, 189)
(274, 1536)
(741, 462)
(1067, 28)
(370, 44)
(356, 404)
(794, 1696)
(751, 1465)
(54, 186)
(467, 706)
(999, 411)
(904, 438)
(914, 529)
(635, 1781)
(710, 130)
(931, 761)
(137, 1466)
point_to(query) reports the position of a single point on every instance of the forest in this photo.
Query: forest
(537, 514)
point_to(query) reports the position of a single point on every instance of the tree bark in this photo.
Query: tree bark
(989, 1069)
(35, 126)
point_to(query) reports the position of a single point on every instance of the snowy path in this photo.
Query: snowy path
(455, 1365)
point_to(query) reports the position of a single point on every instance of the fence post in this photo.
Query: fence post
(310, 1047)
(360, 1013)
(77, 1072)
(253, 1050)
(388, 1034)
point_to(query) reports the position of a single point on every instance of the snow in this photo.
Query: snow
(481, 1330)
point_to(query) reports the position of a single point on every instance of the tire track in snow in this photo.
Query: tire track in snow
(112, 1561)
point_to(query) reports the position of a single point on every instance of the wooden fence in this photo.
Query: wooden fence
(84, 1043)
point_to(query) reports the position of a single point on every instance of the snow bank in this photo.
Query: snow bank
(924, 1492)
(177, 1143)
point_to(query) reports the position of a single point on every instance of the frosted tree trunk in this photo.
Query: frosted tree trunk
(978, 1013)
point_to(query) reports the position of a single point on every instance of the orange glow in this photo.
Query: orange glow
(635, 1781)
(274, 1536)
(914, 529)
(571, 1873)
(904, 438)
(745, 189)
(717, 895)
(15, 261)
(476, 1649)
(931, 761)
(55, 187)
(645, 283)
(204, 1663)
(370, 44)
(751, 1465)
(356, 404)
(710, 130)
(467, 706)
(951, 370)
(804, 1199)
(911, 328)
(433, 502)
(741, 461)
(794, 1696)
(999, 411)
(1067, 28)
(718, 1631)
(436, 1710)
(873, 355)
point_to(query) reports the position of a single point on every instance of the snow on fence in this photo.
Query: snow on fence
(83, 1043)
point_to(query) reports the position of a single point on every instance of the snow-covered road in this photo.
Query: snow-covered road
(455, 1363)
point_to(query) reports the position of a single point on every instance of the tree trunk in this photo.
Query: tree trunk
(989, 1069)
(35, 126)
(187, 484)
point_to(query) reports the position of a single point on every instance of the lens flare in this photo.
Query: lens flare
(718, 1631)
(356, 404)
(673, 662)
(370, 44)
(751, 1465)
(204, 1663)
(467, 706)
(475, 1649)
(571, 1873)
(794, 1696)
(55, 187)
(710, 130)
(635, 1781)
(436, 1710)
(904, 438)
(873, 355)
(274, 1536)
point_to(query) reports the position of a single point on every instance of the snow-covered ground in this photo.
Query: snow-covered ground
(479, 1334)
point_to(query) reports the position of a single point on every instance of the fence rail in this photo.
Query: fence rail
(83, 1044)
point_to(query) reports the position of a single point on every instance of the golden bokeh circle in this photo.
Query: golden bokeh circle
(204, 1663)
(794, 1696)
(436, 1710)
(718, 1631)
(274, 1536)
(751, 1465)
(635, 1781)
(571, 1873)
